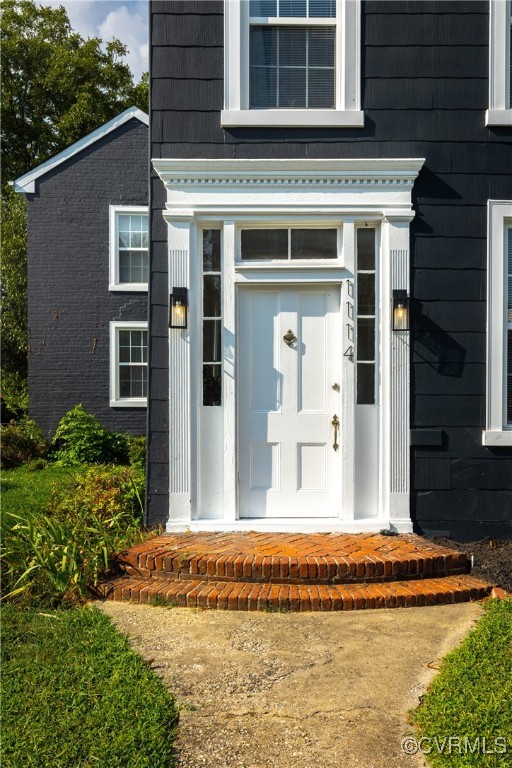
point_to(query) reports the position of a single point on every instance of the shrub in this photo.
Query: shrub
(21, 442)
(14, 394)
(59, 555)
(137, 451)
(81, 439)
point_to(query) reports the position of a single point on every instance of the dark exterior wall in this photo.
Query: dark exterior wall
(424, 93)
(70, 306)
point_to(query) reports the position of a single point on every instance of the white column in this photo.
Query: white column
(180, 484)
(229, 371)
(396, 376)
(348, 393)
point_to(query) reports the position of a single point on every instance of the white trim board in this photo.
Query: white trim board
(26, 184)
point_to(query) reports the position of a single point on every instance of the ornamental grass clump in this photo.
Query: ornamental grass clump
(59, 554)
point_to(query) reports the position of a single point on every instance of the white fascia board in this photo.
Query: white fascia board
(192, 171)
(26, 183)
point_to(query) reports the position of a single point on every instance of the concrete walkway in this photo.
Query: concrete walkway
(294, 690)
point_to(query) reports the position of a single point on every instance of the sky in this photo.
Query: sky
(125, 19)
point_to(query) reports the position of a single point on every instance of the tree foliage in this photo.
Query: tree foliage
(56, 86)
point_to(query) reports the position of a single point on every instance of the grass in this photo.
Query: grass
(471, 698)
(25, 489)
(76, 696)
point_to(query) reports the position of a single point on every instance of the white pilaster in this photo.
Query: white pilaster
(349, 379)
(229, 372)
(180, 487)
(396, 375)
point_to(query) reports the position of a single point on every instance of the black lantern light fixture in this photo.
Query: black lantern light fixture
(178, 308)
(400, 310)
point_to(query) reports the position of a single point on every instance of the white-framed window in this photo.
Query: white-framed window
(499, 324)
(292, 63)
(500, 61)
(128, 364)
(129, 248)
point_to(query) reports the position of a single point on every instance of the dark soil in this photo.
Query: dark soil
(492, 559)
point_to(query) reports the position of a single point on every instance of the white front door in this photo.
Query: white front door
(288, 398)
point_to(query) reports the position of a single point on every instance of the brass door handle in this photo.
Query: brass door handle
(336, 423)
(289, 337)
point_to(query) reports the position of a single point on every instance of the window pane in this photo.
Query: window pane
(314, 243)
(365, 383)
(264, 244)
(292, 46)
(292, 88)
(133, 381)
(263, 88)
(509, 378)
(211, 296)
(365, 294)
(211, 341)
(509, 261)
(366, 248)
(321, 89)
(212, 384)
(211, 250)
(263, 8)
(133, 266)
(263, 46)
(321, 47)
(289, 8)
(123, 222)
(366, 339)
(322, 9)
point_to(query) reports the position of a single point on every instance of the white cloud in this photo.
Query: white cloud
(124, 19)
(131, 29)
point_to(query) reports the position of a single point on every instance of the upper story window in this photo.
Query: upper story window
(500, 63)
(292, 63)
(129, 252)
(499, 325)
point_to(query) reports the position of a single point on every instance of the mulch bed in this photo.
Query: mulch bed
(492, 559)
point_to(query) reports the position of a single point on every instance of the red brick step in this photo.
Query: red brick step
(295, 597)
(284, 558)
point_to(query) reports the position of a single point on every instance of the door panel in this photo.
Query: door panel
(287, 464)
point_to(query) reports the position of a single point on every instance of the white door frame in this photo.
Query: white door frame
(227, 192)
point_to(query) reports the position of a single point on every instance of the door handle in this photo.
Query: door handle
(336, 423)
(289, 337)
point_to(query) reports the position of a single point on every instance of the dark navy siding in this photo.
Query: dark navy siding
(70, 306)
(425, 91)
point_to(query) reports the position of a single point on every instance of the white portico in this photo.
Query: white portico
(289, 388)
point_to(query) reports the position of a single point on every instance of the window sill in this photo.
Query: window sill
(130, 287)
(291, 118)
(136, 402)
(498, 117)
(497, 438)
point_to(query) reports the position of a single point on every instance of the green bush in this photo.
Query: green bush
(15, 393)
(81, 439)
(21, 442)
(61, 553)
(137, 451)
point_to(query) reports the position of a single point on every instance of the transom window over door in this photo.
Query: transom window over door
(288, 244)
(292, 65)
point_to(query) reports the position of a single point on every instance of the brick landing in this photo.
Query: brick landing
(251, 571)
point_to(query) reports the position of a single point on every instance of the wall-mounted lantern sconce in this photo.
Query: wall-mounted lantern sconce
(178, 309)
(400, 310)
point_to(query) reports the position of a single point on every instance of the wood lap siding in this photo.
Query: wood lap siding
(424, 94)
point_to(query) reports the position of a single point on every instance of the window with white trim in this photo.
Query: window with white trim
(499, 325)
(129, 251)
(292, 63)
(128, 363)
(500, 63)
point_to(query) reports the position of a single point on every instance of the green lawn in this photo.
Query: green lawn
(75, 696)
(471, 699)
(24, 489)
